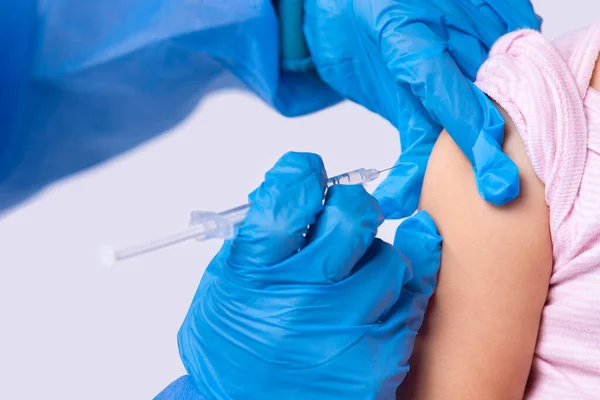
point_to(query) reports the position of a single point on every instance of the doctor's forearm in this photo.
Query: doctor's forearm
(86, 91)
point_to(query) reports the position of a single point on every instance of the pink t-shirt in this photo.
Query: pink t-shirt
(544, 87)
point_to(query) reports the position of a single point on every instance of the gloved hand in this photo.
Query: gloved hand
(328, 312)
(413, 62)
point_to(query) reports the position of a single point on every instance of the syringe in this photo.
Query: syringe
(206, 225)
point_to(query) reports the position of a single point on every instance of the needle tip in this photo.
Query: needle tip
(387, 169)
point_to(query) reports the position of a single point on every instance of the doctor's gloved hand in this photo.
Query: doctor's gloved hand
(414, 63)
(326, 312)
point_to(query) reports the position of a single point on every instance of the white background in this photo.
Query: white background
(70, 329)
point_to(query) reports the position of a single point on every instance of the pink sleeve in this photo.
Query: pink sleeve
(527, 76)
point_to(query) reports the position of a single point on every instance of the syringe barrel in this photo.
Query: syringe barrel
(236, 215)
(360, 176)
(223, 225)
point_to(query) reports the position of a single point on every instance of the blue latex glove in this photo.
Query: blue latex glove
(335, 320)
(413, 62)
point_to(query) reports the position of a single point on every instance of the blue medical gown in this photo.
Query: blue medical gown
(82, 81)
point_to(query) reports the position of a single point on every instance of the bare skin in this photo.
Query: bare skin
(595, 81)
(481, 327)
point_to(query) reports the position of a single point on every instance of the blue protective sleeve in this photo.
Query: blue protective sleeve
(182, 389)
(83, 81)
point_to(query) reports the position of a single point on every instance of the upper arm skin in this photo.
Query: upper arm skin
(480, 330)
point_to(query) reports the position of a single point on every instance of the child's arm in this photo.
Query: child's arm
(480, 330)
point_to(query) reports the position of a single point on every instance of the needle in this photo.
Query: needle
(387, 169)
